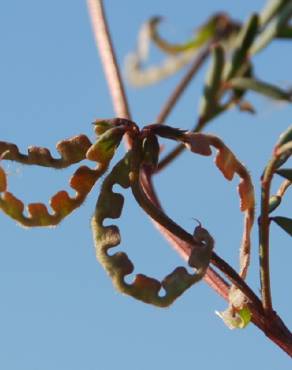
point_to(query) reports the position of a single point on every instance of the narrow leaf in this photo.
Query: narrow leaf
(209, 101)
(203, 35)
(285, 137)
(261, 88)
(243, 43)
(285, 223)
(272, 8)
(272, 30)
(286, 173)
(285, 32)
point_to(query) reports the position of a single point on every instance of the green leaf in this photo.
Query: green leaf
(245, 316)
(285, 223)
(285, 137)
(272, 9)
(243, 43)
(286, 173)
(285, 32)
(202, 36)
(261, 88)
(273, 28)
(235, 320)
(209, 102)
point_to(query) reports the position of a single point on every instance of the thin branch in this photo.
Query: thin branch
(264, 222)
(180, 88)
(173, 154)
(108, 58)
(283, 188)
(186, 240)
(200, 125)
(275, 328)
(264, 238)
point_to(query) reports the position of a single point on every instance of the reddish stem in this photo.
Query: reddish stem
(272, 325)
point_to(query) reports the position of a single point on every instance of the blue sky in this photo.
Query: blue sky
(58, 308)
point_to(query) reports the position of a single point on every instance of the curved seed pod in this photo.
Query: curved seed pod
(72, 150)
(144, 288)
(229, 165)
(61, 203)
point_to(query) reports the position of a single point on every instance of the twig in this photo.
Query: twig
(264, 222)
(228, 271)
(277, 331)
(180, 88)
(173, 154)
(283, 188)
(108, 58)
(200, 125)
(264, 236)
(120, 104)
(170, 157)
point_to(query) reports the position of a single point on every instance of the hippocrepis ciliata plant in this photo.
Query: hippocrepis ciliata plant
(231, 47)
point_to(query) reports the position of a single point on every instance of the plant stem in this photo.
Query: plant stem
(264, 236)
(160, 217)
(200, 125)
(173, 154)
(170, 157)
(273, 326)
(283, 188)
(120, 102)
(108, 58)
(180, 88)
